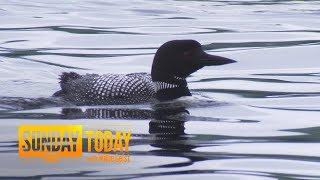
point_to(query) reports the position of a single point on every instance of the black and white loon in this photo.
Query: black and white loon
(173, 62)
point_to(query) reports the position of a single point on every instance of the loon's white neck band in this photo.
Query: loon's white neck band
(160, 85)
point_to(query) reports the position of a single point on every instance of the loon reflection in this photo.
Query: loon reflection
(166, 126)
(106, 113)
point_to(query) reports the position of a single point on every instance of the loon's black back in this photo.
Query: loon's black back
(94, 89)
(174, 61)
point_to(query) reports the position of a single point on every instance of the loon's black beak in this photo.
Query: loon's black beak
(213, 60)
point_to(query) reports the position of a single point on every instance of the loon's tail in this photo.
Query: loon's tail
(64, 78)
(67, 76)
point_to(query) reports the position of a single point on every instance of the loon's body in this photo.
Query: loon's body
(94, 89)
(107, 88)
(167, 79)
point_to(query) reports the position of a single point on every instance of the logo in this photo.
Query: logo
(52, 142)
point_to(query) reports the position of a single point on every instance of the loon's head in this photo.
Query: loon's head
(174, 61)
(181, 58)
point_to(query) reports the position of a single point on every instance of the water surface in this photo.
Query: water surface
(255, 119)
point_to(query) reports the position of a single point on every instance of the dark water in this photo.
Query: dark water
(255, 119)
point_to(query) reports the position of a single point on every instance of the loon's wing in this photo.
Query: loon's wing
(91, 89)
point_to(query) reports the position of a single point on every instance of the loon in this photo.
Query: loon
(173, 62)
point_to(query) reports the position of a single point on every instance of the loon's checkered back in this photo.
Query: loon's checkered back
(107, 89)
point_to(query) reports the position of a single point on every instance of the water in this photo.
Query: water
(255, 119)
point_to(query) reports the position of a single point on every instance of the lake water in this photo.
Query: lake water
(254, 119)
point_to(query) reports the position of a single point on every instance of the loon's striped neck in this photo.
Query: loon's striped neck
(165, 84)
(171, 88)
